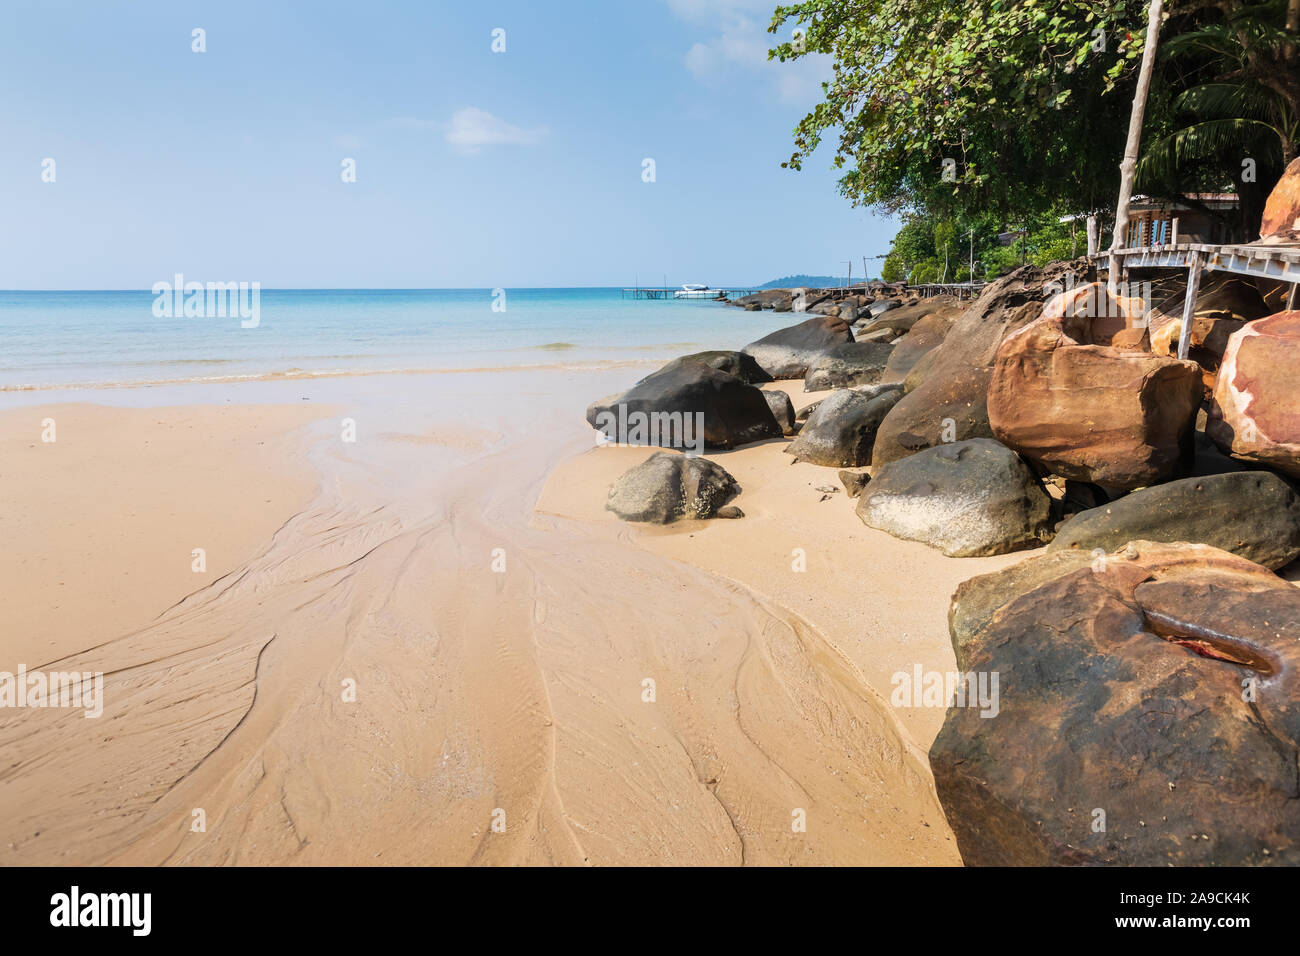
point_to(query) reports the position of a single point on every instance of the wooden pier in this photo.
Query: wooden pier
(962, 290)
(670, 294)
(1280, 262)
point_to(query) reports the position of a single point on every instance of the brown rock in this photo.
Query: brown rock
(1067, 397)
(854, 482)
(926, 334)
(1281, 220)
(950, 402)
(920, 370)
(1256, 409)
(1157, 686)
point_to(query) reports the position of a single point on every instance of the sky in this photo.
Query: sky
(473, 168)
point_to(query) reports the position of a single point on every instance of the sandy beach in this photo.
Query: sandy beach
(405, 640)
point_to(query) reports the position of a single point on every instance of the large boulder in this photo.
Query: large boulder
(1253, 514)
(840, 431)
(1256, 409)
(782, 410)
(880, 306)
(950, 402)
(660, 410)
(926, 334)
(805, 300)
(1076, 394)
(976, 600)
(768, 299)
(1145, 713)
(968, 499)
(902, 318)
(1281, 221)
(842, 366)
(733, 363)
(918, 373)
(668, 486)
(787, 353)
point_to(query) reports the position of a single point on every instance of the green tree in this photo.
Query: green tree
(1235, 113)
(997, 106)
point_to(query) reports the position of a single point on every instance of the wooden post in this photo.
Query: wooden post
(1293, 300)
(1129, 166)
(1094, 236)
(1189, 304)
(1173, 232)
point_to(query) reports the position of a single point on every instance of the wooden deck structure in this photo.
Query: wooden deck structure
(962, 290)
(660, 292)
(1280, 262)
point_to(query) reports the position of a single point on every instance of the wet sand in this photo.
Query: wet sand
(431, 645)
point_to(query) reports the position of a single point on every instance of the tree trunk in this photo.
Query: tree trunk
(1129, 166)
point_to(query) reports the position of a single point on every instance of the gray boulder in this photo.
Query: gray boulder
(787, 353)
(1254, 514)
(842, 429)
(733, 363)
(853, 363)
(782, 410)
(669, 486)
(661, 409)
(871, 391)
(969, 498)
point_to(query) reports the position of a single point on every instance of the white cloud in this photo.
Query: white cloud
(471, 129)
(736, 45)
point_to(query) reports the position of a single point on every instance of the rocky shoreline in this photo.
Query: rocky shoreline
(1146, 655)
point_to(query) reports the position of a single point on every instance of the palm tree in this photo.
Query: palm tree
(1243, 104)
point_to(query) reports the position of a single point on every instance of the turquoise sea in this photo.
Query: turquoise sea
(88, 339)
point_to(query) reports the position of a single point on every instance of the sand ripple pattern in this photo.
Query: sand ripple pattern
(476, 692)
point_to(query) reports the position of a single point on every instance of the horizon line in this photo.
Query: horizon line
(460, 288)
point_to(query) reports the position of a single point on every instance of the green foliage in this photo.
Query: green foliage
(972, 118)
(1014, 93)
(1230, 88)
(892, 269)
(927, 270)
(917, 257)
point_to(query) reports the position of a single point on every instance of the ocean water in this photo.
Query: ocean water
(51, 340)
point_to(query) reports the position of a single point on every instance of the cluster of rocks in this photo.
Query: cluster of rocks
(1147, 657)
(855, 357)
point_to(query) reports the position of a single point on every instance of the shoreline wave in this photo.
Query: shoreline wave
(294, 374)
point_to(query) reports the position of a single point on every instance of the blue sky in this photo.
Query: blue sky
(474, 168)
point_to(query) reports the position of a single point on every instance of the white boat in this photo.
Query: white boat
(693, 290)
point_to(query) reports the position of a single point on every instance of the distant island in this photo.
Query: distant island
(810, 282)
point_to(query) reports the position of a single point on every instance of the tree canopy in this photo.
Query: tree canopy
(995, 106)
(1015, 112)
